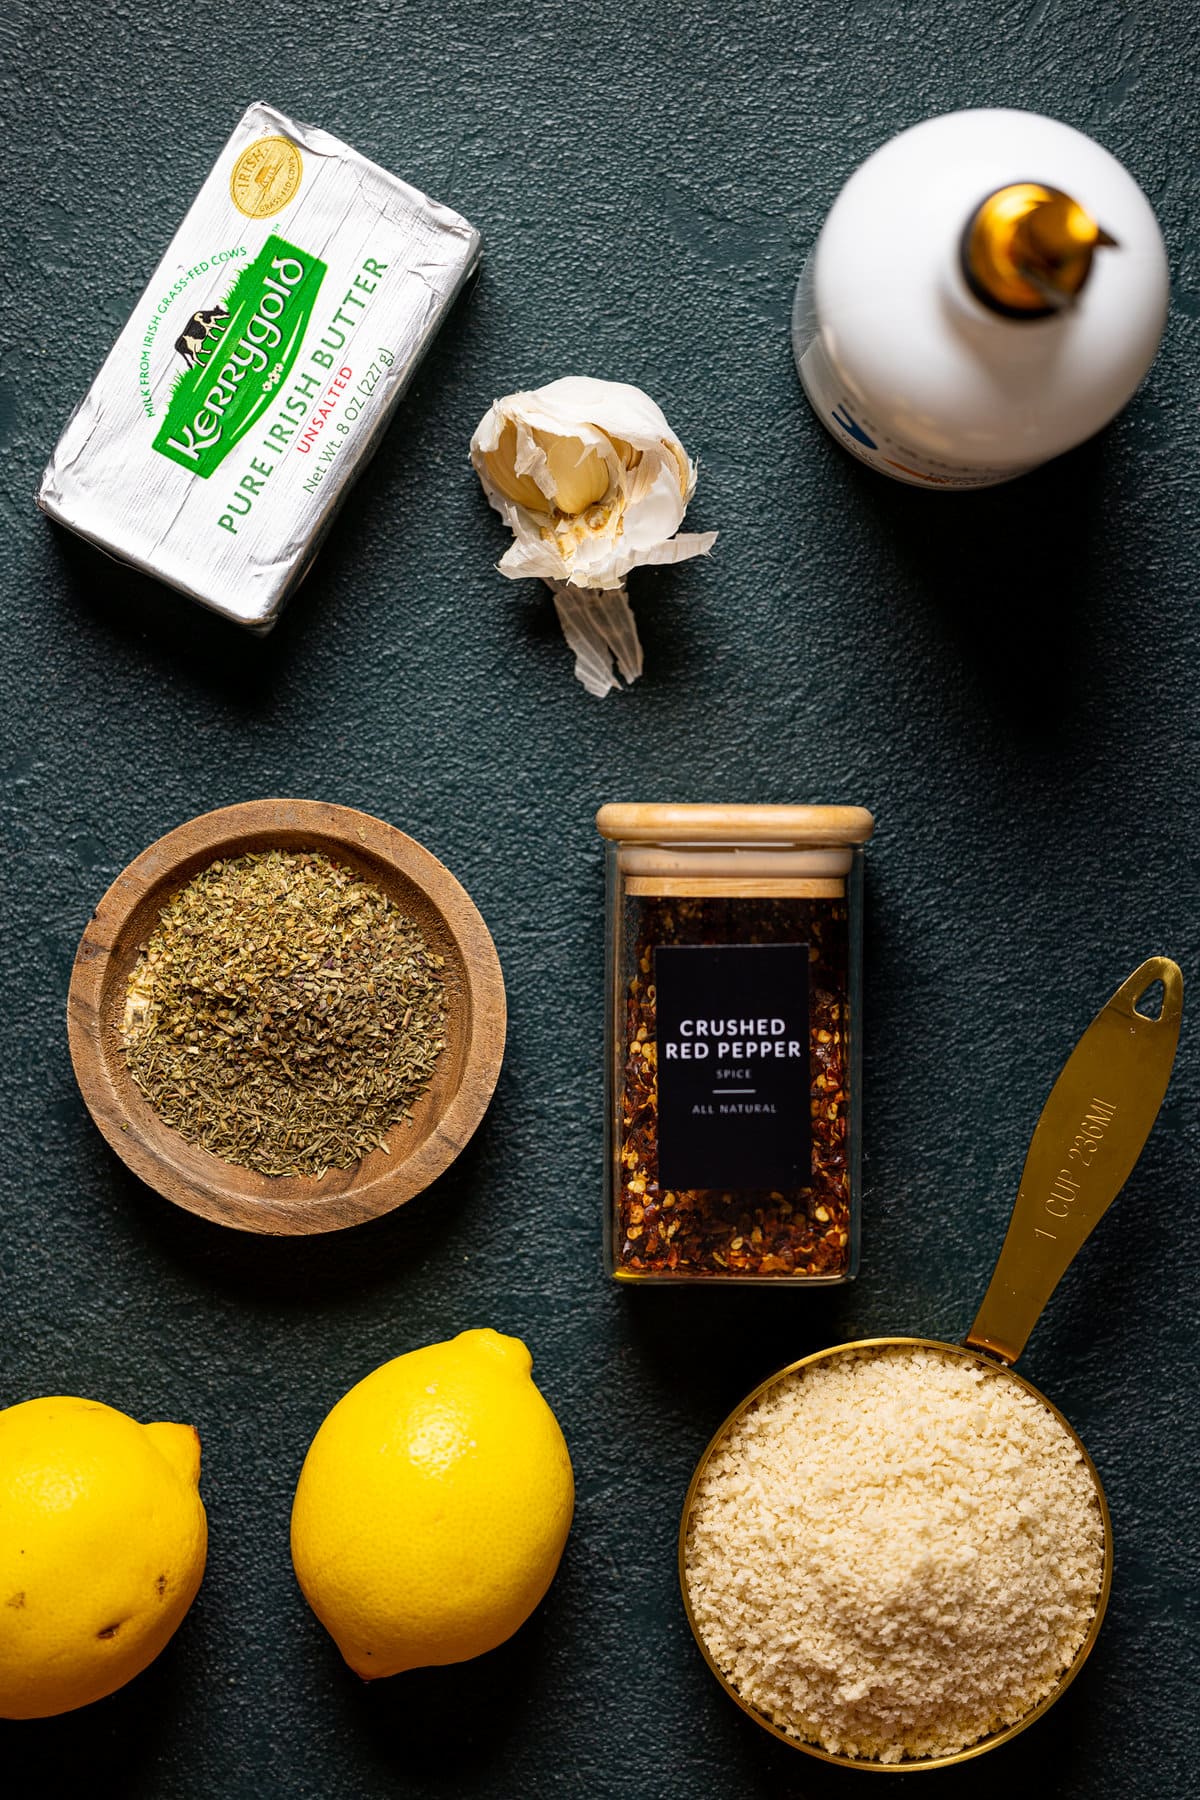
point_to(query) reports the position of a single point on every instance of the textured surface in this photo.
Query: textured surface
(1006, 678)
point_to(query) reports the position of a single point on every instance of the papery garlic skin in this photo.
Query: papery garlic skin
(590, 479)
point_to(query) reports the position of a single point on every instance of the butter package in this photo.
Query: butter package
(259, 368)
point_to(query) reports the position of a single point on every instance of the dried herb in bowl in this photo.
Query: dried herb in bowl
(284, 1013)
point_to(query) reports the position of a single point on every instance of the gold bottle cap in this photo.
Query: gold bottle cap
(1027, 250)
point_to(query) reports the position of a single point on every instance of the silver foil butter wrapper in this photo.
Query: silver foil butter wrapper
(259, 368)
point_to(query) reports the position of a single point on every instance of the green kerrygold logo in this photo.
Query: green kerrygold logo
(239, 356)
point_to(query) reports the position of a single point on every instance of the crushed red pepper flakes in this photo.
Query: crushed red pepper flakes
(801, 1232)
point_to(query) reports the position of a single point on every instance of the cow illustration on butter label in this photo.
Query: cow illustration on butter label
(200, 326)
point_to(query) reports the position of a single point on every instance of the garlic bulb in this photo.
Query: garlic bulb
(592, 482)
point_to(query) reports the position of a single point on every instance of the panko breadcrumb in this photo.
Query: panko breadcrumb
(895, 1552)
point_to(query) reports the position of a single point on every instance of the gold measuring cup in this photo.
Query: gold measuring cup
(1090, 1134)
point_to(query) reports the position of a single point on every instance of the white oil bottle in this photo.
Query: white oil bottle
(988, 290)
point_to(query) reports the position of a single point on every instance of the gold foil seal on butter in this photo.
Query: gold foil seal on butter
(265, 177)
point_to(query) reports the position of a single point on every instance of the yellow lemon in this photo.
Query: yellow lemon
(433, 1506)
(102, 1547)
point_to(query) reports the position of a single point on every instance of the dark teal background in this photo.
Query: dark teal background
(1007, 678)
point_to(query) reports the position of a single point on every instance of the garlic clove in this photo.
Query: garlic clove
(686, 469)
(501, 463)
(628, 455)
(567, 476)
(577, 470)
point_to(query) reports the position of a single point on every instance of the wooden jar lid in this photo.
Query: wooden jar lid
(688, 824)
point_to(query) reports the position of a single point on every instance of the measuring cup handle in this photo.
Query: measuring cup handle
(1087, 1140)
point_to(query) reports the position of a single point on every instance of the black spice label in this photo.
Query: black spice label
(733, 1066)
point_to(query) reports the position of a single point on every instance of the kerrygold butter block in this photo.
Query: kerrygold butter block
(259, 367)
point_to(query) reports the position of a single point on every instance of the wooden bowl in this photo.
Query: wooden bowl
(443, 1118)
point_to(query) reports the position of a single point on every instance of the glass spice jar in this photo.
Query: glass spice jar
(734, 964)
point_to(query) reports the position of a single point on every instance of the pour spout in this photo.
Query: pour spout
(1028, 249)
